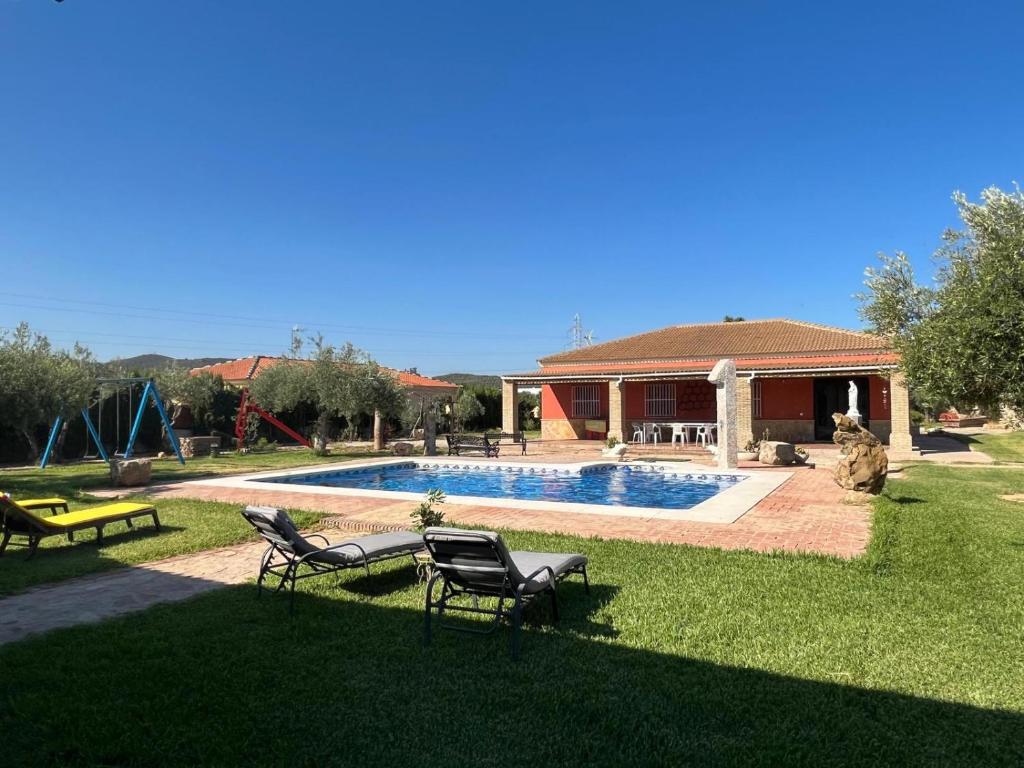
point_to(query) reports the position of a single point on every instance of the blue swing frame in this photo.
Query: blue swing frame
(149, 391)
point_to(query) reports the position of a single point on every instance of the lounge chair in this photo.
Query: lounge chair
(288, 550)
(21, 520)
(478, 564)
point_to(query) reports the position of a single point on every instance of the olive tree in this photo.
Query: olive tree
(334, 382)
(961, 339)
(39, 383)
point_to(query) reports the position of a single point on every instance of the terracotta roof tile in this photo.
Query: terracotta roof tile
(888, 359)
(248, 368)
(708, 341)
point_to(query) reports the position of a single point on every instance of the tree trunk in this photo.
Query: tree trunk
(378, 431)
(429, 433)
(320, 439)
(58, 449)
(33, 444)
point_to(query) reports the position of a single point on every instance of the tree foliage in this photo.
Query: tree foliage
(962, 340)
(467, 408)
(39, 383)
(178, 387)
(333, 382)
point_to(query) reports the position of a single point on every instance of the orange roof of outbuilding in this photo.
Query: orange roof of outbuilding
(245, 369)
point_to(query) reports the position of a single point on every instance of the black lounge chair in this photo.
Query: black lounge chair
(288, 550)
(478, 564)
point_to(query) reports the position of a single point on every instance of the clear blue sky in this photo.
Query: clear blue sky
(446, 184)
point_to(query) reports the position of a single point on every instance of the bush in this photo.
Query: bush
(425, 516)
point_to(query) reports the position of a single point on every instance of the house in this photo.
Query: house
(242, 371)
(792, 377)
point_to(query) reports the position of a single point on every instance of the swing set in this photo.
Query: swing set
(149, 392)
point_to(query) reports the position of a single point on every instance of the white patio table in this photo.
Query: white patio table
(711, 426)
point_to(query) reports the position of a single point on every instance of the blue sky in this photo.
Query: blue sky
(446, 184)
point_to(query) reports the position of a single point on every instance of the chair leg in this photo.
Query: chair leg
(128, 522)
(517, 624)
(586, 581)
(427, 609)
(554, 605)
(33, 545)
(71, 537)
(5, 542)
(99, 534)
(264, 562)
(156, 521)
(291, 596)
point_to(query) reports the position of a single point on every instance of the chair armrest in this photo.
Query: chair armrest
(320, 536)
(551, 576)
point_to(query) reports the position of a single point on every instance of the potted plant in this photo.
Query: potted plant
(750, 451)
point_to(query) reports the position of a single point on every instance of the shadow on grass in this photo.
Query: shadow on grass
(196, 684)
(58, 559)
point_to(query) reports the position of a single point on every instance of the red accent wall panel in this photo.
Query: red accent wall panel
(791, 398)
(879, 398)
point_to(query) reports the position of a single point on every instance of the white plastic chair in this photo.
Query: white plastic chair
(638, 433)
(678, 430)
(652, 434)
(701, 436)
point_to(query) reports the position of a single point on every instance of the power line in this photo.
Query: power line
(156, 313)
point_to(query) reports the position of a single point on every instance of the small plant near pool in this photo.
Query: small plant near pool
(426, 515)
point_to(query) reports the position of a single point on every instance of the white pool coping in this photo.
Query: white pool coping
(725, 507)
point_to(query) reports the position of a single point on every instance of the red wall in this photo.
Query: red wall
(879, 402)
(695, 401)
(556, 400)
(787, 398)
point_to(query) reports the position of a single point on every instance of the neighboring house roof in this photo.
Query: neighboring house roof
(753, 344)
(245, 369)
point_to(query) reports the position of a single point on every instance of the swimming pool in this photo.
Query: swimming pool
(612, 485)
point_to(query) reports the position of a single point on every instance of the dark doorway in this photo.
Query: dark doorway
(832, 396)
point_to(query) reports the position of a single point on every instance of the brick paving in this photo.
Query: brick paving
(102, 596)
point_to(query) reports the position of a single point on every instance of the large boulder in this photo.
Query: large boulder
(130, 472)
(401, 449)
(862, 464)
(776, 453)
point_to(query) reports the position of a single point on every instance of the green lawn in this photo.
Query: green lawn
(189, 526)
(909, 655)
(1001, 447)
(76, 480)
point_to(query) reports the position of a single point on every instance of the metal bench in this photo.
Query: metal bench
(459, 443)
(518, 438)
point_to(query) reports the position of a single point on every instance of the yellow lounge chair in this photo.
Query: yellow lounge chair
(19, 520)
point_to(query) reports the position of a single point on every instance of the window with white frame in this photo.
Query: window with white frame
(586, 401)
(755, 399)
(660, 400)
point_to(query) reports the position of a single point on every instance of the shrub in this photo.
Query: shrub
(425, 515)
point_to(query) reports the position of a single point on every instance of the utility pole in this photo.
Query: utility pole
(579, 337)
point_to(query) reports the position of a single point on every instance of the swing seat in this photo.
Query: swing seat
(19, 520)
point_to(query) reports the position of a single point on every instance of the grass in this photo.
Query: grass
(76, 480)
(1001, 447)
(189, 526)
(909, 655)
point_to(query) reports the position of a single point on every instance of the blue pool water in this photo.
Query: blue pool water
(612, 485)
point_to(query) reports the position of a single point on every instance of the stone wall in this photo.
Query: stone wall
(787, 430)
(561, 429)
(198, 446)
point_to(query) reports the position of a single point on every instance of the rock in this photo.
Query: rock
(130, 472)
(401, 449)
(776, 453)
(863, 465)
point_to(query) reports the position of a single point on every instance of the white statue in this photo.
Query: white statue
(852, 411)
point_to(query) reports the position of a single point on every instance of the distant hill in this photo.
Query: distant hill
(471, 379)
(155, 362)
